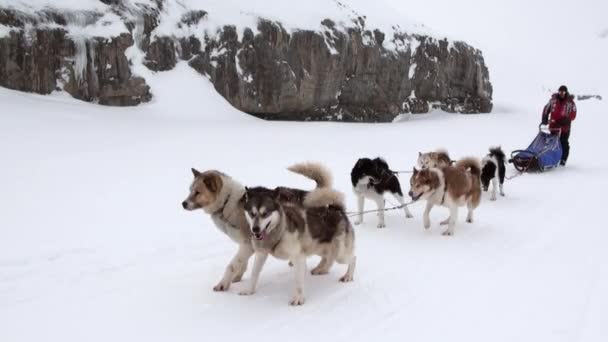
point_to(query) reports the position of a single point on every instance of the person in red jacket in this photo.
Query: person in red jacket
(559, 114)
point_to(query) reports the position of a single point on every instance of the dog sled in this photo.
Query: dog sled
(544, 153)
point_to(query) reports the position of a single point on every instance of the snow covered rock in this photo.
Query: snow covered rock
(51, 50)
(30, 62)
(340, 67)
(342, 74)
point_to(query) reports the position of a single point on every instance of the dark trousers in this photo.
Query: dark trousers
(564, 140)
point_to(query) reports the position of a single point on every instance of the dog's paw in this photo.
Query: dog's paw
(318, 271)
(248, 292)
(381, 225)
(502, 194)
(297, 299)
(409, 215)
(493, 198)
(469, 220)
(221, 287)
(447, 233)
(427, 225)
(357, 222)
(347, 278)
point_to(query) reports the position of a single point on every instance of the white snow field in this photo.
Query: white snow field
(94, 244)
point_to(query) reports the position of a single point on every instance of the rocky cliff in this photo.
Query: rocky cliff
(42, 52)
(340, 71)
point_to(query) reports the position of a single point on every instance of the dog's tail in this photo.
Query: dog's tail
(472, 164)
(315, 171)
(323, 197)
(497, 152)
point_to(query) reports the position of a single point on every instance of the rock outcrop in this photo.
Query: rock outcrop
(38, 57)
(335, 75)
(339, 72)
(588, 97)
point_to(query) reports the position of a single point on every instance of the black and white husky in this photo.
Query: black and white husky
(295, 231)
(493, 169)
(372, 178)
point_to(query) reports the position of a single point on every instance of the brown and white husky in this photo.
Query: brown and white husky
(450, 186)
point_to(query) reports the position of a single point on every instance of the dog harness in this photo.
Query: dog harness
(445, 191)
(221, 209)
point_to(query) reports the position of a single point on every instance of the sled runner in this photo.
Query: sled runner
(544, 153)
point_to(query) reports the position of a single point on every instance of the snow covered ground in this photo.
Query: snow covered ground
(94, 244)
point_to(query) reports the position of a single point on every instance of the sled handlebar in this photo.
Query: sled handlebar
(557, 131)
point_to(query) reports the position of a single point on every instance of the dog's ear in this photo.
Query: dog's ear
(245, 198)
(277, 194)
(195, 172)
(414, 170)
(213, 182)
(419, 154)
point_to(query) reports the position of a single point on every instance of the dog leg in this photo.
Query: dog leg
(502, 193)
(380, 203)
(236, 268)
(360, 207)
(470, 212)
(494, 188)
(300, 270)
(401, 200)
(258, 264)
(239, 275)
(323, 266)
(425, 217)
(445, 222)
(452, 223)
(350, 271)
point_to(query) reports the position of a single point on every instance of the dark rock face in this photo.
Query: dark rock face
(588, 97)
(161, 54)
(42, 60)
(336, 73)
(31, 63)
(107, 76)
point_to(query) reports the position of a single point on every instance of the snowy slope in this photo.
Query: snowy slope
(94, 245)
(293, 15)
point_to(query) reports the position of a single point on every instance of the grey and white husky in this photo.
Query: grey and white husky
(319, 226)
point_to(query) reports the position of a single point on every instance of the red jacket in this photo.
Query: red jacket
(559, 113)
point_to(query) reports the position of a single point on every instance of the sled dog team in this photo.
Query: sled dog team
(293, 224)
